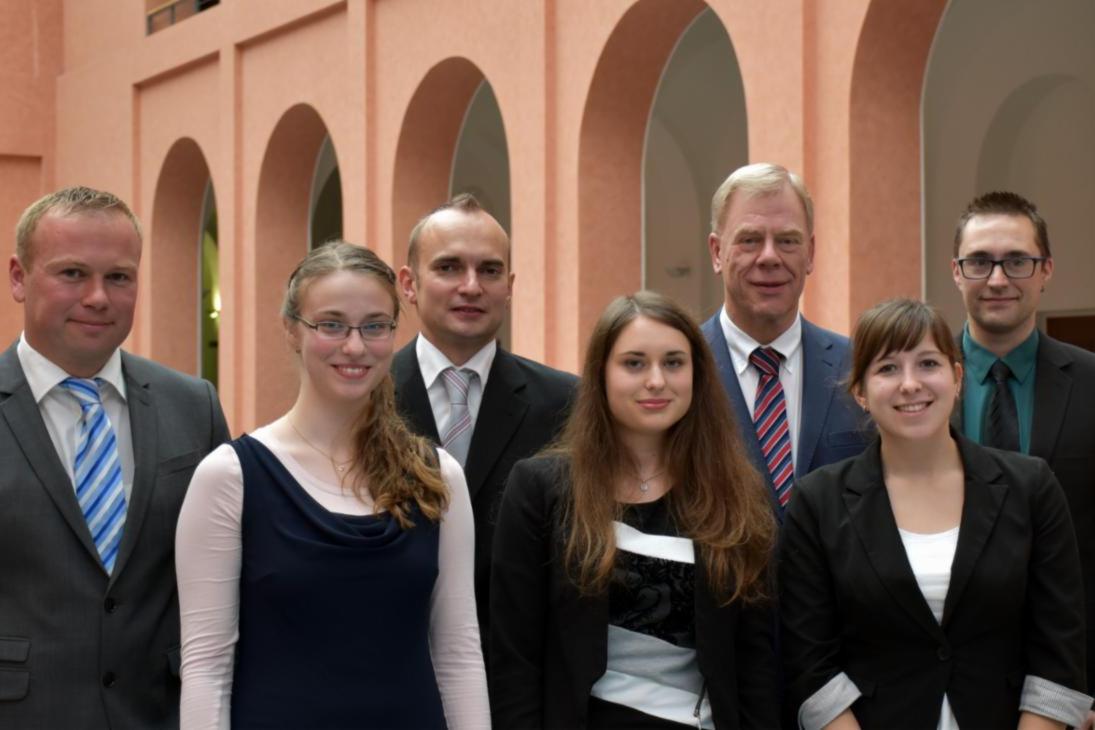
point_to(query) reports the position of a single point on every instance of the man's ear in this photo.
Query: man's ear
(407, 285)
(714, 246)
(17, 277)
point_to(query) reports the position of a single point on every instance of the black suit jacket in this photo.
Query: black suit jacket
(1063, 433)
(80, 648)
(523, 408)
(849, 601)
(549, 643)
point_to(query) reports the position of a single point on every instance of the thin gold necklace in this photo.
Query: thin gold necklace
(340, 467)
(644, 484)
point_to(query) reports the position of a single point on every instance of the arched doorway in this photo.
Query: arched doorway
(696, 135)
(284, 226)
(610, 152)
(176, 263)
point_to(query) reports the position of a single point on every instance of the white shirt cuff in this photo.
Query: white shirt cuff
(823, 706)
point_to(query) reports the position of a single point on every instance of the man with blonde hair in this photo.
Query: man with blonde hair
(782, 373)
(97, 448)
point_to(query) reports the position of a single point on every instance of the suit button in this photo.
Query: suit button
(944, 653)
(109, 680)
(110, 605)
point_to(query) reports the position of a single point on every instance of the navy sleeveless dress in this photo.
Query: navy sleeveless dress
(334, 611)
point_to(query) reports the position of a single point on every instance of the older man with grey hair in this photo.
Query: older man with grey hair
(783, 374)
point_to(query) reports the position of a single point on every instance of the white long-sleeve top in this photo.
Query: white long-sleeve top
(208, 558)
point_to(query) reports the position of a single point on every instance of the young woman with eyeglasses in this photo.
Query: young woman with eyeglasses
(930, 581)
(628, 584)
(325, 560)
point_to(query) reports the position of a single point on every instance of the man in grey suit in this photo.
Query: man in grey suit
(97, 448)
(1023, 390)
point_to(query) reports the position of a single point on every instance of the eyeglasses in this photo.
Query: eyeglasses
(1014, 267)
(380, 329)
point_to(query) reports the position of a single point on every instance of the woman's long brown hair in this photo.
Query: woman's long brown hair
(718, 498)
(399, 467)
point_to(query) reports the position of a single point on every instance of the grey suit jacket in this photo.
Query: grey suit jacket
(80, 648)
(524, 407)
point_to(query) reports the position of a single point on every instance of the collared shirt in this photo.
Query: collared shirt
(788, 344)
(979, 386)
(62, 413)
(431, 362)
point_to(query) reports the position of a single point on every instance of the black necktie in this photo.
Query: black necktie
(1002, 424)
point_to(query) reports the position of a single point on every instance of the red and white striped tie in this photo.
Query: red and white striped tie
(770, 420)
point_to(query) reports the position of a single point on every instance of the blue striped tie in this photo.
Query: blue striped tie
(770, 420)
(97, 471)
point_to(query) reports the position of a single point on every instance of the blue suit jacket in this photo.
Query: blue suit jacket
(832, 426)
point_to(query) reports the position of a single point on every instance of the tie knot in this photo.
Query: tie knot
(85, 390)
(457, 383)
(1000, 371)
(766, 359)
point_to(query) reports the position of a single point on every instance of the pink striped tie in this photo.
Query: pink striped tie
(456, 437)
(770, 420)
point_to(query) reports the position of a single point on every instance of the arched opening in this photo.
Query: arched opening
(884, 151)
(695, 136)
(174, 250)
(210, 291)
(610, 152)
(283, 233)
(480, 164)
(325, 217)
(998, 119)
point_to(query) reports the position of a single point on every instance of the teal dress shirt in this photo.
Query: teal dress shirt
(978, 385)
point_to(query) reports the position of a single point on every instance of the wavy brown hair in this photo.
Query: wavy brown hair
(718, 498)
(400, 468)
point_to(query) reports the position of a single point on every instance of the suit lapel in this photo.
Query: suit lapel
(819, 378)
(143, 429)
(712, 330)
(984, 496)
(1052, 386)
(26, 424)
(872, 517)
(500, 413)
(414, 402)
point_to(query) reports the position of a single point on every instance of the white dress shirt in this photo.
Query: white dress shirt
(788, 344)
(431, 362)
(62, 413)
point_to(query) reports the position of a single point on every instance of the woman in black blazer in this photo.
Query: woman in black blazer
(629, 577)
(929, 582)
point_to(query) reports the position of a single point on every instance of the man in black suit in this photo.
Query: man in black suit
(489, 408)
(97, 447)
(1023, 390)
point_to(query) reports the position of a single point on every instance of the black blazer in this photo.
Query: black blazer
(1063, 433)
(524, 406)
(80, 648)
(849, 601)
(549, 644)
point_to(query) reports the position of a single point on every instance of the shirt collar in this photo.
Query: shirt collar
(742, 345)
(43, 375)
(979, 360)
(432, 361)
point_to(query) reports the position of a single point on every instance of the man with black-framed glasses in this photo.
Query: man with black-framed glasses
(1023, 390)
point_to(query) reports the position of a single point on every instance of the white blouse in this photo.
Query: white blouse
(931, 556)
(208, 556)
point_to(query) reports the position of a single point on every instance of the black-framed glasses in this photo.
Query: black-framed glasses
(1014, 267)
(380, 329)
